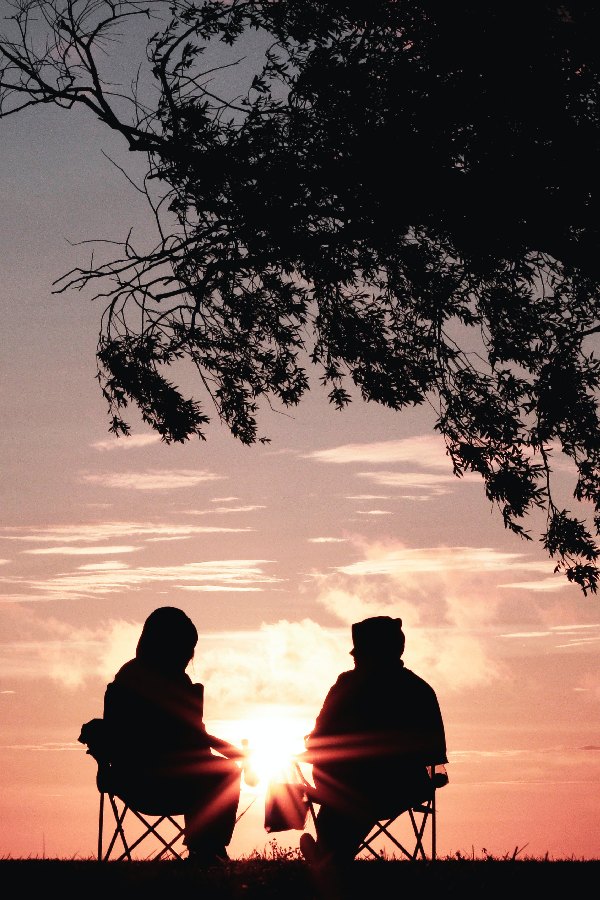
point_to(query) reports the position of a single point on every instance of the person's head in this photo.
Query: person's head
(377, 639)
(168, 639)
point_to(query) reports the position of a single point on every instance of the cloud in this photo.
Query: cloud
(429, 484)
(85, 583)
(580, 643)
(399, 561)
(49, 746)
(447, 598)
(374, 512)
(212, 588)
(298, 662)
(351, 605)
(543, 584)
(152, 480)
(326, 540)
(126, 442)
(66, 654)
(454, 615)
(569, 638)
(545, 767)
(526, 634)
(106, 531)
(81, 551)
(458, 605)
(577, 636)
(442, 655)
(427, 481)
(456, 661)
(222, 510)
(283, 663)
(425, 450)
(453, 586)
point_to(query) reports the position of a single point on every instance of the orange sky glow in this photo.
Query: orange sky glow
(272, 550)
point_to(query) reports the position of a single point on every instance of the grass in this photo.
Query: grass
(280, 874)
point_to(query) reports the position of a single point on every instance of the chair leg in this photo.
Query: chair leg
(168, 846)
(151, 828)
(433, 828)
(309, 791)
(382, 827)
(100, 826)
(119, 832)
(427, 812)
(419, 831)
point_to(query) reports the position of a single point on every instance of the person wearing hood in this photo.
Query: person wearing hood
(162, 757)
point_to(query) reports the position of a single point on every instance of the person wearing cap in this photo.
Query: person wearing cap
(161, 754)
(379, 729)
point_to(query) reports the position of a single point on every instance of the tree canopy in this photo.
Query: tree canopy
(404, 194)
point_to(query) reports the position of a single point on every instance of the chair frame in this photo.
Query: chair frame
(427, 813)
(151, 824)
(420, 816)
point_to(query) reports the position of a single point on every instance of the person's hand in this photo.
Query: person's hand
(225, 748)
(250, 775)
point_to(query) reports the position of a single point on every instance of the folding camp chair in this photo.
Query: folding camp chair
(162, 831)
(409, 825)
(401, 830)
(165, 828)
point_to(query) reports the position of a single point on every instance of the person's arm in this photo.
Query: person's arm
(438, 732)
(215, 743)
(322, 742)
(433, 730)
(225, 748)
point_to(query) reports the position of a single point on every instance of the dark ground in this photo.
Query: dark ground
(265, 879)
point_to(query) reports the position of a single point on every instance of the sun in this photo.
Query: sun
(273, 740)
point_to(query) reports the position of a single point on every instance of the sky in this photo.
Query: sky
(273, 550)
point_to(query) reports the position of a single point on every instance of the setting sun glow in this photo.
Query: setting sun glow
(274, 739)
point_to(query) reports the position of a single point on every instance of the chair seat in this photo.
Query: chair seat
(399, 821)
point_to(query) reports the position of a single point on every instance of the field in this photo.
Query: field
(290, 879)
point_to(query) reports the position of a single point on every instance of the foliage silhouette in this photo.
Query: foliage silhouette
(404, 196)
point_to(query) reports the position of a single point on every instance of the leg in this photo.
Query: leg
(343, 819)
(330, 859)
(339, 834)
(212, 808)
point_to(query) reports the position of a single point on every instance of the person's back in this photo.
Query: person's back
(379, 729)
(161, 758)
(154, 720)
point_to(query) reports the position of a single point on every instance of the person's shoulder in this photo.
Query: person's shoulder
(127, 670)
(347, 682)
(416, 681)
(346, 677)
(343, 680)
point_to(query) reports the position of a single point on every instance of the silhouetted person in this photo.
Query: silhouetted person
(161, 752)
(379, 729)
